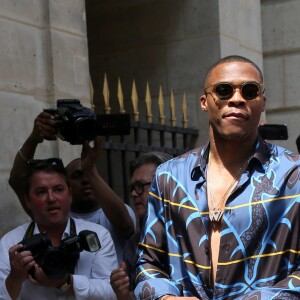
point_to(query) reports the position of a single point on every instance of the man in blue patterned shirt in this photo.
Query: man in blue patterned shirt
(223, 220)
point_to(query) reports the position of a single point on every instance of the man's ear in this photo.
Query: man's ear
(70, 195)
(203, 103)
(27, 202)
(264, 104)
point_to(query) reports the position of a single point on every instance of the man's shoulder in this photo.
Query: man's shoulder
(284, 153)
(188, 159)
(87, 225)
(131, 213)
(15, 235)
(192, 153)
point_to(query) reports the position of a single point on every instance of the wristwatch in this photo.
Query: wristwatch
(66, 285)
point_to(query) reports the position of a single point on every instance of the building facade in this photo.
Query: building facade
(52, 49)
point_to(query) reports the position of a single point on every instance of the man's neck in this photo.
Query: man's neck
(230, 152)
(54, 233)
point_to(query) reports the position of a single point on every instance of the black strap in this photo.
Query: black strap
(30, 229)
(73, 257)
(72, 227)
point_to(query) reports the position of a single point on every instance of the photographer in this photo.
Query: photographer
(93, 199)
(47, 198)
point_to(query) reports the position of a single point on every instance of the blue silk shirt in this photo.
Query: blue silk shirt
(259, 245)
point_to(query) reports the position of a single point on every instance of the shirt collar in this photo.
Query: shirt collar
(65, 234)
(261, 154)
(201, 162)
(263, 151)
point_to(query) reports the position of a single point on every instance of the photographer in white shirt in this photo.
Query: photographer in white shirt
(48, 198)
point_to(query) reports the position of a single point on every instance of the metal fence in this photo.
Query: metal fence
(144, 136)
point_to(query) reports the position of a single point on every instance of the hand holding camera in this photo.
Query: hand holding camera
(57, 262)
(45, 127)
(20, 263)
(77, 124)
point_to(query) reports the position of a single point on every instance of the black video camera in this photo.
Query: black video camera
(77, 123)
(273, 131)
(56, 262)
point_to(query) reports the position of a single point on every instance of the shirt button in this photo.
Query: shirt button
(206, 251)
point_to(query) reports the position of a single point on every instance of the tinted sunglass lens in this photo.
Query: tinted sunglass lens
(224, 91)
(250, 91)
(138, 188)
(41, 163)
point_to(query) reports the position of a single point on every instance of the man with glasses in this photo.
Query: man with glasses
(223, 219)
(93, 199)
(142, 170)
(33, 263)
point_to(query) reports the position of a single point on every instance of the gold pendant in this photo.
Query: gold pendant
(216, 215)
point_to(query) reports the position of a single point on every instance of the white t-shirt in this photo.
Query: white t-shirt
(99, 217)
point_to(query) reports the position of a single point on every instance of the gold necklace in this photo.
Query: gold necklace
(215, 215)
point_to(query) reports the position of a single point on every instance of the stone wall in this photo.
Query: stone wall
(44, 56)
(43, 48)
(281, 51)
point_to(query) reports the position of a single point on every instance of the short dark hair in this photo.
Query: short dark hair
(153, 157)
(233, 58)
(50, 165)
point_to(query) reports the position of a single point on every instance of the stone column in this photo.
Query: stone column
(281, 47)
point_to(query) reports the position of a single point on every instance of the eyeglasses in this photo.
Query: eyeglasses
(138, 187)
(225, 90)
(48, 165)
(43, 163)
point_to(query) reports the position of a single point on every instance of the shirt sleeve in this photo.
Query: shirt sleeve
(152, 279)
(102, 264)
(5, 269)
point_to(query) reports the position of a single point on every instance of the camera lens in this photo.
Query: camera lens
(86, 129)
(54, 263)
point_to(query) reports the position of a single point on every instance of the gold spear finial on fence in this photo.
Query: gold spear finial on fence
(92, 94)
(120, 97)
(161, 106)
(172, 107)
(106, 95)
(148, 104)
(184, 112)
(134, 98)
